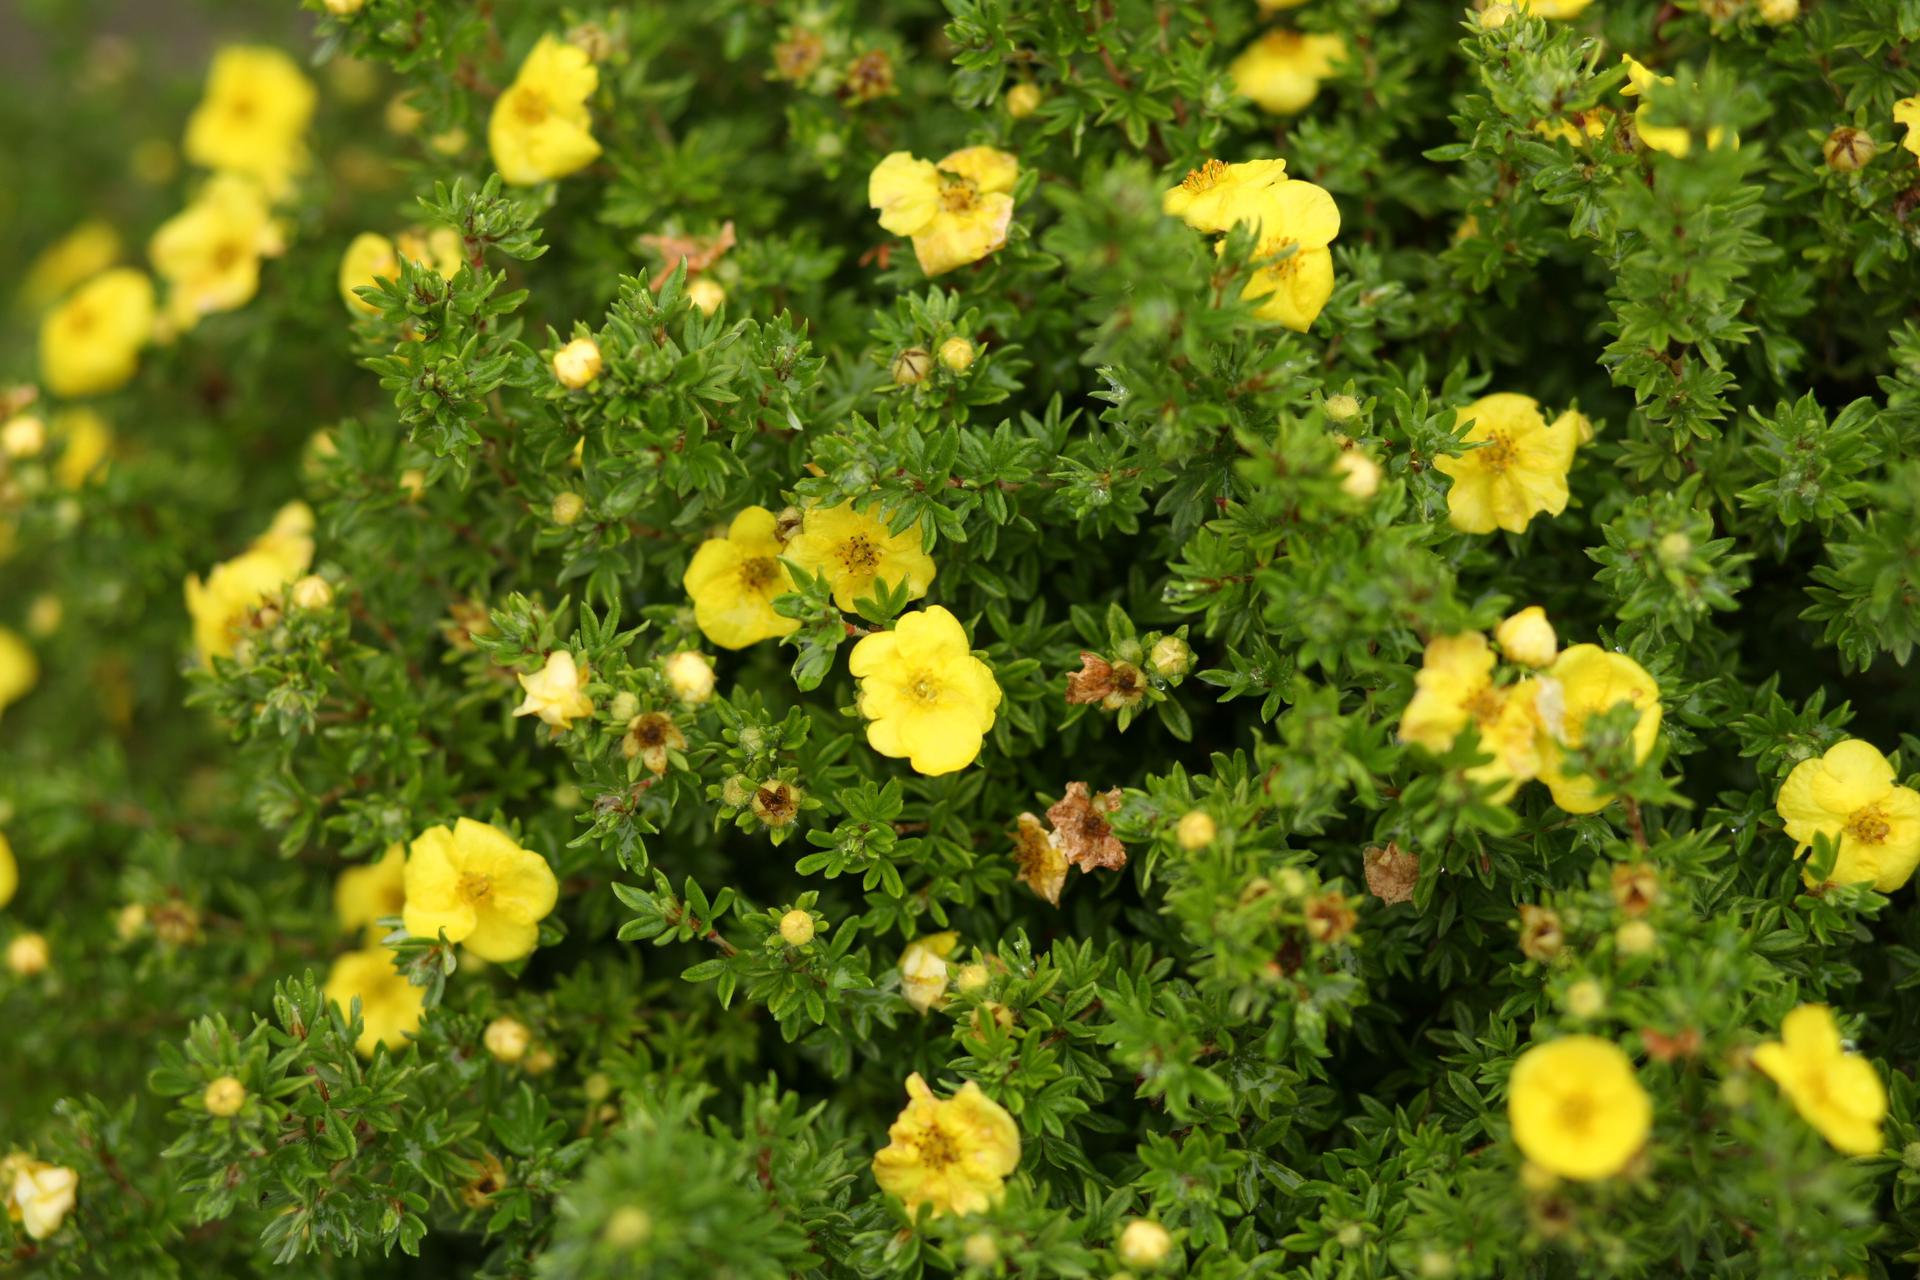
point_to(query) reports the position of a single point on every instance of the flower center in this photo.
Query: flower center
(759, 574)
(957, 195)
(530, 105)
(937, 1149)
(475, 887)
(80, 320)
(1576, 1112)
(1483, 704)
(1206, 177)
(1869, 825)
(859, 554)
(1498, 453)
(241, 108)
(925, 688)
(225, 255)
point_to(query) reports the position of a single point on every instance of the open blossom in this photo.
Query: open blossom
(86, 442)
(224, 607)
(1295, 222)
(390, 1006)
(90, 344)
(1455, 688)
(209, 253)
(540, 128)
(733, 581)
(253, 118)
(1906, 114)
(856, 550)
(956, 211)
(19, 669)
(557, 692)
(1576, 1107)
(475, 884)
(366, 893)
(1519, 470)
(1282, 70)
(925, 696)
(1217, 195)
(39, 1195)
(1583, 682)
(1850, 796)
(923, 969)
(1837, 1092)
(953, 1154)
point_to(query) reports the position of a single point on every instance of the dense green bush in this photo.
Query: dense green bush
(850, 639)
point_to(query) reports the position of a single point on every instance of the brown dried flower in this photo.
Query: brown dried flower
(650, 737)
(1391, 873)
(1541, 936)
(1043, 868)
(1330, 918)
(1081, 831)
(1636, 885)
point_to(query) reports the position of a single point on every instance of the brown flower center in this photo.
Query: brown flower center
(859, 554)
(1498, 453)
(957, 195)
(759, 574)
(1869, 825)
(937, 1148)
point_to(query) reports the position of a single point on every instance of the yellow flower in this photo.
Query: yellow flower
(856, 550)
(1455, 687)
(1519, 471)
(923, 969)
(209, 253)
(1527, 637)
(953, 1154)
(956, 211)
(733, 581)
(476, 884)
(1837, 1092)
(556, 692)
(253, 117)
(90, 344)
(9, 871)
(85, 443)
(81, 254)
(39, 1195)
(19, 669)
(540, 128)
(365, 893)
(1672, 139)
(1906, 114)
(1849, 795)
(390, 1007)
(1282, 70)
(224, 607)
(1299, 220)
(1578, 128)
(442, 249)
(370, 258)
(1584, 681)
(1577, 1109)
(924, 694)
(1217, 195)
(1561, 9)
(691, 676)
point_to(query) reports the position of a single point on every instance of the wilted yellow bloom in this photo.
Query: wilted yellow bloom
(1282, 70)
(1850, 796)
(225, 605)
(856, 550)
(90, 344)
(1217, 195)
(540, 128)
(390, 1007)
(956, 211)
(473, 882)
(81, 254)
(925, 696)
(1584, 681)
(253, 118)
(19, 669)
(1837, 1092)
(1576, 1107)
(373, 890)
(1519, 471)
(1527, 637)
(557, 692)
(85, 442)
(1672, 139)
(923, 969)
(733, 581)
(209, 253)
(39, 1195)
(953, 1154)
(1454, 688)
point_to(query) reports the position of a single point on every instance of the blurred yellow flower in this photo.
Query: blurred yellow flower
(81, 254)
(1454, 688)
(19, 669)
(253, 117)
(1851, 796)
(556, 692)
(1584, 681)
(540, 128)
(1527, 637)
(1837, 1092)
(90, 344)
(925, 696)
(1282, 70)
(9, 871)
(370, 258)
(1576, 1107)
(224, 607)
(1560, 9)
(390, 1007)
(1672, 139)
(1906, 114)
(923, 969)
(1519, 471)
(956, 211)
(85, 442)
(733, 581)
(365, 893)
(475, 883)
(1217, 195)
(39, 1195)
(856, 550)
(209, 253)
(953, 1154)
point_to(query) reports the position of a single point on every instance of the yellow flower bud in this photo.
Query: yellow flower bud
(1675, 548)
(567, 507)
(971, 977)
(577, 363)
(1847, 149)
(28, 955)
(1023, 100)
(691, 676)
(1144, 1244)
(312, 592)
(1359, 474)
(627, 1227)
(1495, 16)
(957, 354)
(796, 928)
(507, 1039)
(225, 1096)
(44, 615)
(1586, 998)
(413, 483)
(539, 1062)
(979, 1250)
(1527, 638)
(1778, 13)
(1196, 830)
(129, 920)
(23, 437)
(344, 8)
(1171, 657)
(1635, 938)
(625, 707)
(598, 1087)
(1342, 408)
(911, 367)
(705, 295)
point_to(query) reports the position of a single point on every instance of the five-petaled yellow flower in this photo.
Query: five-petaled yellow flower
(557, 692)
(86, 442)
(1297, 225)
(953, 1154)
(253, 118)
(540, 128)
(366, 893)
(1837, 1092)
(209, 253)
(1672, 139)
(225, 605)
(1576, 1107)
(855, 550)
(1906, 113)
(90, 344)
(924, 694)
(1282, 70)
(1519, 470)
(39, 1195)
(19, 669)
(1851, 796)
(1454, 688)
(733, 581)
(474, 883)
(1217, 195)
(1584, 681)
(956, 211)
(390, 1007)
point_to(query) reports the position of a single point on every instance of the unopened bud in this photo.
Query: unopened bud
(1495, 16)
(1342, 408)
(1528, 638)
(1635, 938)
(979, 1250)
(627, 1227)
(577, 363)
(1778, 13)
(567, 507)
(507, 1039)
(312, 592)
(1586, 998)
(971, 977)
(625, 707)
(1196, 830)
(796, 928)
(28, 955)
(691, 676)
(706, 295)
(1144, 1244)
(1023, 100)
(1675, 548)
(957, 354)
(1359, 474)
(911, 367)
(23, 437)
(1847, 149)
(1171, 657)
(225, 1096)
